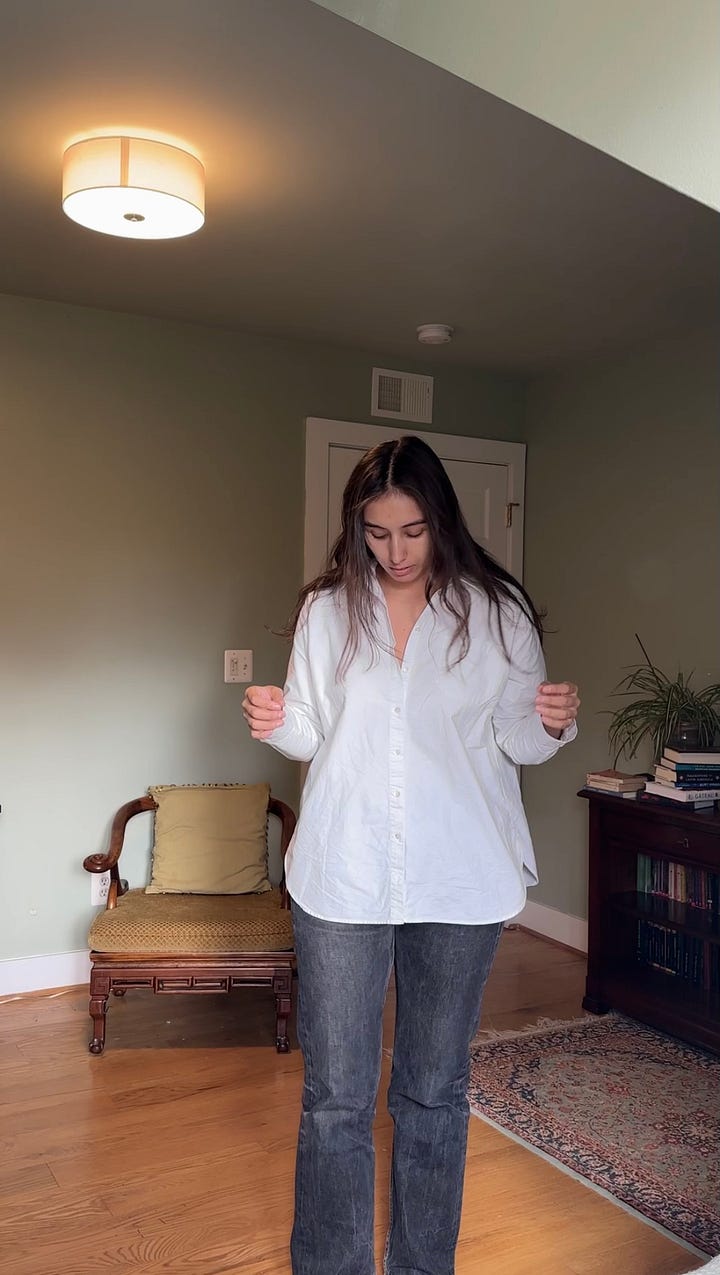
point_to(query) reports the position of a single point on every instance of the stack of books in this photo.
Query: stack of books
(615, 782)
(690, 778)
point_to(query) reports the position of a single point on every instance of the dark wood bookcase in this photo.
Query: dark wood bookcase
(624, 973)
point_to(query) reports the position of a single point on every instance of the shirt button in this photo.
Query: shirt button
(396, 711)
(397, 836)
(396, 792)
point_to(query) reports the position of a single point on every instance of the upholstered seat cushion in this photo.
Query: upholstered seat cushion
(193, 923)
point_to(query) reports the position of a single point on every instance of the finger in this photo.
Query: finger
(263, 714)
(554, 709)
(557, 688)
(263, 729)
(557, 700)
(258, 695)
(265, 694)
(255, 722)
(554, 714)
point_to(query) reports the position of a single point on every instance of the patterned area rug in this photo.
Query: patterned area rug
(628, 1109)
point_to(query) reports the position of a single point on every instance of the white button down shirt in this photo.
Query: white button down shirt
(411, 809)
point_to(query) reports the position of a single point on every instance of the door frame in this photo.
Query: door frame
(321, 434)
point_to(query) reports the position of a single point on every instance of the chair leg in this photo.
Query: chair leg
(99, 992)
(282, 987)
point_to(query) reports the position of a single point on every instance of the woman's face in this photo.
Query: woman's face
(398, 536)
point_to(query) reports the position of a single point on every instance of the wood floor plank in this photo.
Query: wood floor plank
(647, 1255)
(173, 1153)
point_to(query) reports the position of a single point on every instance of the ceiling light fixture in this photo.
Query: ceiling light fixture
(434, 333)
(133, 187)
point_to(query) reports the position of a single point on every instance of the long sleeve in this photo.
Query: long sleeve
(301, 734)
(518, 728)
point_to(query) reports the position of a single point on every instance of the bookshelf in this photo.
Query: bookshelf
(653, 956)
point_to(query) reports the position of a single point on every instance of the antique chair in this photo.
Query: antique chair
(210, 920)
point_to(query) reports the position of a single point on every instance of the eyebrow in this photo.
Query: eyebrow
(419, 522)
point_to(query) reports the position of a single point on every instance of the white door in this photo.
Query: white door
(488, 476)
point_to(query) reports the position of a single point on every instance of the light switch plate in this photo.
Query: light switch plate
(238, 666)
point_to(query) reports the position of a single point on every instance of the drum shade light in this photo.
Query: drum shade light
(133, 187)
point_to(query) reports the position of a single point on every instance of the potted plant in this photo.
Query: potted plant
(668, 711)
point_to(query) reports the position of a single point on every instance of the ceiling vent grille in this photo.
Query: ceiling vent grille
(401, 396)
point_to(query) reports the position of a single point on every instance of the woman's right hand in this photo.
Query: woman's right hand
(264, 710)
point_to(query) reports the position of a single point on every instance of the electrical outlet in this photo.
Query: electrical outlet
(99, 887)
(238, 666)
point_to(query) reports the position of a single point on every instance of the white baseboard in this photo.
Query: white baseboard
(38, 973)
(572, 931)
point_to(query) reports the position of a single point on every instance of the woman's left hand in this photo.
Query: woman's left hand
(557, 703)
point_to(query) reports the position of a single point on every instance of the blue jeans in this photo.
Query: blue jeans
(343, 974)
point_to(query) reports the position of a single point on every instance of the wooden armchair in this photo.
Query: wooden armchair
(198, 943)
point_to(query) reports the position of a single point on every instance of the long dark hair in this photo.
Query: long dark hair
(409, 466)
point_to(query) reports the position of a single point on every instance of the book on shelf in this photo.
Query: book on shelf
(689, 767)
(694, 777)
(653, 799)
(672, 952)
(611, 792)
(707, 757)
(708, 795)
(662, 878)
(614, 781)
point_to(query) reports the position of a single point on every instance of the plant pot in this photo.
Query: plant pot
(686, 737)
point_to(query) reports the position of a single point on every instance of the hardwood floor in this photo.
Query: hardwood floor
(172, 1154)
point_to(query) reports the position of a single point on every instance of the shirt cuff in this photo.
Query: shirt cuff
(296, 739)
(548, 744)
(567, 736)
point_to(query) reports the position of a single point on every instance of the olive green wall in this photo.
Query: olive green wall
(151, 515)
(623, 537)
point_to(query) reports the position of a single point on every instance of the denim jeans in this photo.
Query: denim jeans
(343, 974)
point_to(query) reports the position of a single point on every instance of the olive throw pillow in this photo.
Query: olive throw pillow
(210, 839)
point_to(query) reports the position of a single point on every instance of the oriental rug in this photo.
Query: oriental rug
(628, 1109)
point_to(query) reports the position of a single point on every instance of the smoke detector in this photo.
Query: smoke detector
(434, 333)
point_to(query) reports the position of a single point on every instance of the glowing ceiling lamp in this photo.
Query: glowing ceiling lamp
(133, 187)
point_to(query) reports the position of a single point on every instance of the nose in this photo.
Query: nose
(398, 551)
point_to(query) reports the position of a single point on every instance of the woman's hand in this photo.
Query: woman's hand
(264, 710)
(557, 703)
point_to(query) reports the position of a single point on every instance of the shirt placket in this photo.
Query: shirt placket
(396, 850)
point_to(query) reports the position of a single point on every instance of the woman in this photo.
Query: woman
(415, 686)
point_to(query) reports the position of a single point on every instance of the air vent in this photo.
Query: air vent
(401, 396)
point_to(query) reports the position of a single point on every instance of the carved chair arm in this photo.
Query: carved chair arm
(108, 862)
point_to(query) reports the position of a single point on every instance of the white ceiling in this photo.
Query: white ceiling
(353, 190)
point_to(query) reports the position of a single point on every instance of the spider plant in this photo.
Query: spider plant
(666, 705)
